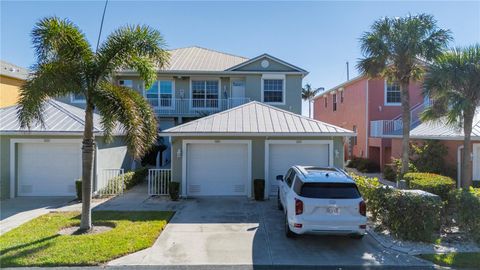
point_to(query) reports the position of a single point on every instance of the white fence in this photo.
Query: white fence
(379, 128)
(110, 182)
(158, 181)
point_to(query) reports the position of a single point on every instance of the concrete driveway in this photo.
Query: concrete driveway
(238, 231)
(14, 212)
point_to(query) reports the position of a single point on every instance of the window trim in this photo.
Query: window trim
(326, 101)
(334, 103)
(342, 97)
(385, 96)
(219, 93)
(274, 77)
(77, 101)
(144, 91)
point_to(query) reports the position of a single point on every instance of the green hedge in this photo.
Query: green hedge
(363, 165)
(430, 182)
(130, 179)
(465, 206)
(407, 215)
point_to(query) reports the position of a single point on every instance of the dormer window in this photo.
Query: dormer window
(392, 94)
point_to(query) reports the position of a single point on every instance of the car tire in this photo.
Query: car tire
(357, 236)
(279, 203)
(288, 232)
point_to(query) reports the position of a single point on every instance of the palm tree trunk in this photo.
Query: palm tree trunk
(88, 151)
(405, 98)
(466, 180)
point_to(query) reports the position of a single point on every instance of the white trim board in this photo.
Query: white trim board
(13, 155)
(185, 153)
(307, 142)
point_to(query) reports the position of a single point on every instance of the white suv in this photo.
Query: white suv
(321, 201)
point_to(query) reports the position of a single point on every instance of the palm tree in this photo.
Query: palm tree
(395, 49)
(66, 64)
(453, 83)
(308, 94)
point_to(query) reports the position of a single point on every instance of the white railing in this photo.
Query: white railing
(158, 181)
(110, 182)
(193, 107)
(379, 128)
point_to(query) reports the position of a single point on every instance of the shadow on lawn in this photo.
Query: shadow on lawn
(29, 249)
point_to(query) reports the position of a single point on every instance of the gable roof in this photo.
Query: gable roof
(440, 130)
(342, 85)
(13, 71)
(256, 119)
(265, 55)
(59, 118)
(201, 59)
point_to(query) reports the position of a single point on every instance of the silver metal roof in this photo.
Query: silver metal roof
(59, 118)
(14, 71)
(201, 59)
(256, 118)
(440, 130)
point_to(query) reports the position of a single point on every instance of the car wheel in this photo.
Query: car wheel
(357, 236)
(288, 232)
(279, 203)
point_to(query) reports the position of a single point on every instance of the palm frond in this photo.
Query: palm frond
(130, 109)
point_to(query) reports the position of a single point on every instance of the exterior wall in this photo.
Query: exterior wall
(9, 91)
(107, 156)
(350, 113)
(272, 67)
(258, 152)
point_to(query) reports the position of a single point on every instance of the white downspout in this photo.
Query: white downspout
(367, 123)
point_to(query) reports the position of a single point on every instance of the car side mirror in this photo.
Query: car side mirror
(280, 177)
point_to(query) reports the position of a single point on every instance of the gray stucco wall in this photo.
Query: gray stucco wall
(258, 152)
(108, 157)
(273, 66)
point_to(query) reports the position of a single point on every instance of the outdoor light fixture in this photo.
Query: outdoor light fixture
(179, 153)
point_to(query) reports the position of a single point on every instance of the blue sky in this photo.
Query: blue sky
(317, 36)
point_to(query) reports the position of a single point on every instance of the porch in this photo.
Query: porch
(188, 107)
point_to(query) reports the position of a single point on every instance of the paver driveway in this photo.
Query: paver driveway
(238, 231)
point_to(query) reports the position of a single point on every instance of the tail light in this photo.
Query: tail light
(298, 207)
(362, 208)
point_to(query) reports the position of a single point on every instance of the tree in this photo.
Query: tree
(396, 49)
(308, 94)
(66, 64)
(453, 83)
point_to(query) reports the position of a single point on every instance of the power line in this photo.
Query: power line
(101, 25)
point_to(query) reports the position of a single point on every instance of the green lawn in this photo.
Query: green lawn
(37, 243)
(462, 260)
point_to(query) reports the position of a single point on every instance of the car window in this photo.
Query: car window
(297, 185)
(290, 178)
(330, 191)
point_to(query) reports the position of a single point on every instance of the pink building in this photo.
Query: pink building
(372, 109)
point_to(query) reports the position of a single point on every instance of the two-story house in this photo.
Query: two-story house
(12, 77)
(372, 109)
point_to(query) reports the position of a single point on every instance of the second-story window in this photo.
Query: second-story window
(392, 93)
(160, 94)
(326, 102)
(334, 102)
(205, 93)
(341, 96)
(273, 89)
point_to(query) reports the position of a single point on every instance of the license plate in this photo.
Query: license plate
(333, 210)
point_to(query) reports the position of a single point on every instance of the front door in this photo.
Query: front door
(238, 92)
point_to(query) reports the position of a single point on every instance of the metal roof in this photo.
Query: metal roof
(256, 118)
(13, 71)
(441, 130)
(201, 59)
(59, 118)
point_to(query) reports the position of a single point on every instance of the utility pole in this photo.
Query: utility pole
(348, 72)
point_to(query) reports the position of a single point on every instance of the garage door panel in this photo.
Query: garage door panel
(48, 169)
(217, 169)
(283, 156)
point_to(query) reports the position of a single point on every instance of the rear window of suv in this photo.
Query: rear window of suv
(329, 191)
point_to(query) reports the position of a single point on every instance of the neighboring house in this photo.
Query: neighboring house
(371, 108)
(198, 82)
(11, 79)
(221, 154)
(449, 136)
(46, 160)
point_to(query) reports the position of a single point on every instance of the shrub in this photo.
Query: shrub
(130, 179)
(174, 190)
(428, 156)
(78, 189)
(412, 216)
(465, 204)
(389, 173)
(397, 167)
(430, 182)
(374, 193)
(363, 165)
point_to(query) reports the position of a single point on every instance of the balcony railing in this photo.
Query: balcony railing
(193, 107)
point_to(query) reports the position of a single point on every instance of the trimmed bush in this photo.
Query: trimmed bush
(130, 179)
(363, 165)
(430, 182)
(78, 189)
(374, 194)
(389, 173)
(465, 205)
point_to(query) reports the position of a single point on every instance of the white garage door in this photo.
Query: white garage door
(217, 169)
(282, 156)
(48, 169)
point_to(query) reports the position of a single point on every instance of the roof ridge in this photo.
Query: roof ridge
(212, 50)
(54, 103)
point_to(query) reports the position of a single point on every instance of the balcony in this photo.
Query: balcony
(193, 107)
(380, 128)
